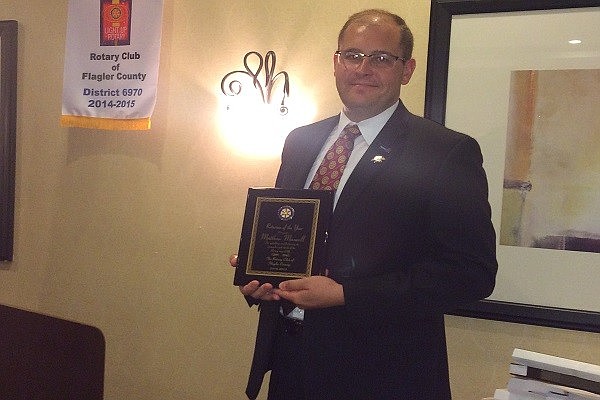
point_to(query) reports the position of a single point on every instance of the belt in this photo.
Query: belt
(291, 326)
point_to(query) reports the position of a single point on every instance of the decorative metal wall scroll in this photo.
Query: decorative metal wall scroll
(233, 87)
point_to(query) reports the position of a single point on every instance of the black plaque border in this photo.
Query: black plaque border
(322, 202)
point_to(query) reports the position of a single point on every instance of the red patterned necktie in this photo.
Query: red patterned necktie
(330, 171)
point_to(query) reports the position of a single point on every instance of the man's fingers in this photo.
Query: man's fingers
(295, 284)
(260, 292)
(250, 288)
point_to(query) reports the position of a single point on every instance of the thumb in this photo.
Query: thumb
(294, 284)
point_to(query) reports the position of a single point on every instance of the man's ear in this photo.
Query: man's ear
(407, 71)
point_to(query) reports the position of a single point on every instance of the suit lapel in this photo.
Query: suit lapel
(381, 155)
(304, 160)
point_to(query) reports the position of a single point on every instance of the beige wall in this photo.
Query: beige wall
(130, 231)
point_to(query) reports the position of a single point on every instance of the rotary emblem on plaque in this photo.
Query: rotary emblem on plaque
(285, 213)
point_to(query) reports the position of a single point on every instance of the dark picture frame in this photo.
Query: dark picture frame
(8, 121)
(441, 16)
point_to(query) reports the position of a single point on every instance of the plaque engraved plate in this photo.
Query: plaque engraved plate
(283, 235)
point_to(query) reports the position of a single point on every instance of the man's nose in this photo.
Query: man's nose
(364, 65)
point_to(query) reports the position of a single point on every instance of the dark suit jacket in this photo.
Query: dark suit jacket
(411, 238)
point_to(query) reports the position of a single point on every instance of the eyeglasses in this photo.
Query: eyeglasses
(353, 59)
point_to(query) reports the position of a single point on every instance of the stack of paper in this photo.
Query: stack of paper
(537, 376)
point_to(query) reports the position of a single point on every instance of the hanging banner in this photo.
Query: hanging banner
(111, 63)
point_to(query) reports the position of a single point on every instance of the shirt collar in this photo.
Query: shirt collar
(369, 128)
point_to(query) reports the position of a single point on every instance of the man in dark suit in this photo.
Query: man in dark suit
(410, 239)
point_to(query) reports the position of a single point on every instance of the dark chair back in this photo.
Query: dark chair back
(42, 357)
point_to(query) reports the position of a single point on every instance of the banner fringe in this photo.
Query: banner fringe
(74, 121)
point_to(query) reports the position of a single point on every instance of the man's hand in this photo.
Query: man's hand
(254, 289)
(312, 292)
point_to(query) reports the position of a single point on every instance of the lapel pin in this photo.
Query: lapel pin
(378, 159)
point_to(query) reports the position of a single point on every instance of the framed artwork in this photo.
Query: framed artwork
(8, 117)
(523, 77)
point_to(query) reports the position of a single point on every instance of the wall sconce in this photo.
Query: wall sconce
(253, 122)
(233, 87)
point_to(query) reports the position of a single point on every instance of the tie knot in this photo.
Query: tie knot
(351, 131)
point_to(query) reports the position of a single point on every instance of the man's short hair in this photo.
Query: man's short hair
(406, 36)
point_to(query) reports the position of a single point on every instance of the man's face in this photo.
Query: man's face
(367, 90)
